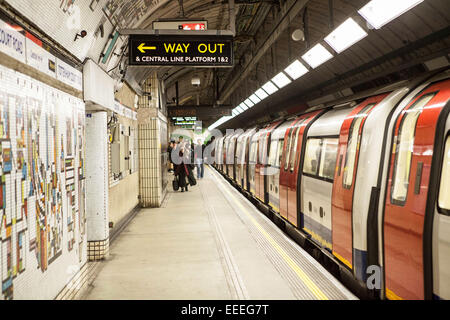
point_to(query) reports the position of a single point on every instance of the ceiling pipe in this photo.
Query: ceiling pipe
(290, 11)
(181, 8)
(331, 10)
(232, 14)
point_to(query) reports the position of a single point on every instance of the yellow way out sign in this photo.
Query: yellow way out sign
(214, 51)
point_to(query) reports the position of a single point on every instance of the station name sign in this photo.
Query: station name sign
(181, 50)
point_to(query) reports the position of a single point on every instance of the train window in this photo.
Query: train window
(239, 151)
(288, 149)
(312, 156)
(328, 158)
(243, 150)
(404, 150)
(354, 139)
(265, 146)
(294, 147)
(262, 149)
(444, 189)
(253, 152)
(280, 153)
(273, 153)
(230, 151)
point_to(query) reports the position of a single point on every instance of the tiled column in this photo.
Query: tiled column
(151, 186)
(97, 185)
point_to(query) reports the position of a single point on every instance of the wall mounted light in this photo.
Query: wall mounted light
(82, 34)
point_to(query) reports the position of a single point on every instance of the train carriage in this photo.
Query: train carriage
(219, 154)
(231, 154)
(253, 160)
(369, 181)
(317, 175)
(226, 148)
(407, 220)
(291, 162)
(261, 176)
(356, 177)
(242, 159)
(277, 141)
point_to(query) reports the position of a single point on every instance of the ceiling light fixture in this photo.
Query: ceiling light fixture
(281, 80)
(243, 106)
(249, 103)
(317, 55)
(296, 69)
(255, 99)
(380, 12)
(270, 88)
(346, 35)
(261, 94)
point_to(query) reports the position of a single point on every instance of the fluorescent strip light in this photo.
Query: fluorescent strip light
(249, 103)
(380, 12)
(239, 108)
(270, 88)
(317, 55)
(281, 80)
(346, 35)
(296, 70)
(261, 94)
(255, 99)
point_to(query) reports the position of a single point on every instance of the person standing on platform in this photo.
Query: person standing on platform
(198, 159)
(182, 171)
(169, 150)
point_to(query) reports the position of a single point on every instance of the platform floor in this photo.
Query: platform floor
(210, 243)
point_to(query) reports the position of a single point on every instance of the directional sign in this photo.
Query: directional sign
(142, 48)
(181, 50)
(203, 112)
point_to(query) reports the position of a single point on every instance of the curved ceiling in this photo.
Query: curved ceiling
(264, 47)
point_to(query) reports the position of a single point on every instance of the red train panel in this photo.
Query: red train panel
(406, 198)
(344, 181)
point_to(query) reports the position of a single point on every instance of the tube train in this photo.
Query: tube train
(367, 180)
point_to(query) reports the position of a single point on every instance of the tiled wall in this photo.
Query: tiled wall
(124, 190)
(42, 188)
(62, 20)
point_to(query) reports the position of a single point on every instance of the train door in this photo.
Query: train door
(252, 162)
(221, 155)
(235, 163)
(231, 156)
(246, 157)
(225, 154)
(218, 154)
(343, 186)
(265, 172)
(441, 221)
(240, 149)
(406, 197)
(274, 163)
(284, 176)
(295, 166)
(259, 167)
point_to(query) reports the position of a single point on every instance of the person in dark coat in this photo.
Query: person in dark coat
(182, 171)
(169, 151)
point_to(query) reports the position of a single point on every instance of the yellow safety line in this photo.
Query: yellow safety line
(343, 260)
(391, 295)
(294, 266)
